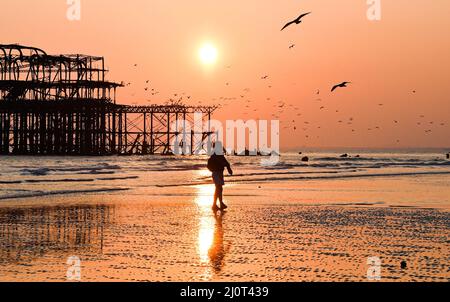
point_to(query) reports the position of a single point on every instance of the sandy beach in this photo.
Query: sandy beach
(289, 230)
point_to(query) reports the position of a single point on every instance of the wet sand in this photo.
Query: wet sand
(265, 235)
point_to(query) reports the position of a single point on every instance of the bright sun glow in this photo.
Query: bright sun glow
(208, 54)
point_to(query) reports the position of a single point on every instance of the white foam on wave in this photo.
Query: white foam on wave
(99, 168)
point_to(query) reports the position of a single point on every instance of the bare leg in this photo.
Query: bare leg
(220, 194)
(217, 195)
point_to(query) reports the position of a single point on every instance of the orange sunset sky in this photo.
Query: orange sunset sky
(407, 50)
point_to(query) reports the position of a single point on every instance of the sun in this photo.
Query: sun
(208, 54)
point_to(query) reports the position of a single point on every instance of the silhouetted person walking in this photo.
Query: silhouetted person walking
(217, 164)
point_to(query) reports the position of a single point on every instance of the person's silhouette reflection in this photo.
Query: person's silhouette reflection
(217, 251)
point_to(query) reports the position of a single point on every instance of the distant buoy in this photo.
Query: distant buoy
(305, 159)
(403, 264)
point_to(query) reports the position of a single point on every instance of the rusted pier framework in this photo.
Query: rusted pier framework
(63, 105)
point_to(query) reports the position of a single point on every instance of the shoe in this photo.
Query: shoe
(223, 206)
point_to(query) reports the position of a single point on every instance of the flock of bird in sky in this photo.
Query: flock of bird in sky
(280, 107)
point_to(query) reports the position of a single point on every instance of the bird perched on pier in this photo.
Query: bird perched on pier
(298, 20)
(341, 85)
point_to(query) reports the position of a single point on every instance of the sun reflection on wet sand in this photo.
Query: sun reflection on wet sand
(210, 244)
(205, 226)
(204, 198)
(205, 237)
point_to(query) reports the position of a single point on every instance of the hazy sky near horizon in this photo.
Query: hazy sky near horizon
(407, 50)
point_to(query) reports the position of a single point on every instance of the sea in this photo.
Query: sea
(25, 177)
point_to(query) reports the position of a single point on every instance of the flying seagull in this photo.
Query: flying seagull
(296, 21)
(341, 85)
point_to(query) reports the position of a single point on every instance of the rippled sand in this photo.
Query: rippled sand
(260, 238)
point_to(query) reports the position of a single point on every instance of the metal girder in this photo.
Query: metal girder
(63, 105)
